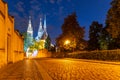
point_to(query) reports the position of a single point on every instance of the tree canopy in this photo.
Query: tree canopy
(113, 24)
(94, 36)
(113, 19)
(71, 31)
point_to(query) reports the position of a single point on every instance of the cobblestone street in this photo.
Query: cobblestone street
(22, 70)
(61, 69)
(74, 69)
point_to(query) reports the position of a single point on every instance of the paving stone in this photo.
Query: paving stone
(60, 69)
(63, 69)
(22, 70)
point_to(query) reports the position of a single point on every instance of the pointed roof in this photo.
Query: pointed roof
(45, 22)
(45, 27)
(40, 26)
(30, 25)
(44, 36)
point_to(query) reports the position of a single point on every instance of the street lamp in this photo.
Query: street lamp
(67, 42)
(69, 45)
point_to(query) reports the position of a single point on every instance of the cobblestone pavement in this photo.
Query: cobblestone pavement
(22, 70)
(70, 69)
(61, 69)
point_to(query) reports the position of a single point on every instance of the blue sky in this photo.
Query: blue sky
(56, 10)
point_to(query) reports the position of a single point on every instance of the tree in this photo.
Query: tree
(104, 39)
(113, 24)
(28, 41)
(113, 19)
(37, 45)
(71, 31)
(48, 43)
(94, 36)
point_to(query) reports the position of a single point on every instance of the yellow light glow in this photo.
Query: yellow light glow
(67, 42)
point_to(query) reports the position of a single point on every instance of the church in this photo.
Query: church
(41, 34)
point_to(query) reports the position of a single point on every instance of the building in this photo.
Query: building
(30, 33)
(42, 31)
(33, 48)
(18, 46)
(11, 44)
(41, 36)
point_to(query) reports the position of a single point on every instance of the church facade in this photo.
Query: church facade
(41, 34)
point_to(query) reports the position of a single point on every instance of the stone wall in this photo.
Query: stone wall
(18, 53)
(2, 34)
(11, 42)
(43, 53)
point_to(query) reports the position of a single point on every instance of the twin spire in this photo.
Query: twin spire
(41, 30)
(30, 29)
(45, 23)
(41, 27)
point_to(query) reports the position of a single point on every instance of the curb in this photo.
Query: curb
(43, 73)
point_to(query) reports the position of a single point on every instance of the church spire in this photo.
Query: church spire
(40, 30)
(30, 30)
(45, 28)
(45, 22)
(40, 26)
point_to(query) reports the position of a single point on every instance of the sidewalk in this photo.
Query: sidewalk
(27, 69)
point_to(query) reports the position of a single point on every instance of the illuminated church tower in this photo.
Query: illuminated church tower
(42, 34)
(45, 34)
(29, 33)
(42, 31)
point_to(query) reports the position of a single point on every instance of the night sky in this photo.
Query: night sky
(55, 11)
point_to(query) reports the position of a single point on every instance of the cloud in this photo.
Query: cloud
(18, 20)
(19, 6)
(35, 5)
(14, 14)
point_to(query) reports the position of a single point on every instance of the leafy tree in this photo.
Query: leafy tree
(94, 36)
(48, 43)
(113, 24)
(104, 39)
(37, 45)
(113, 19)
(27, 41)
(71, 31)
